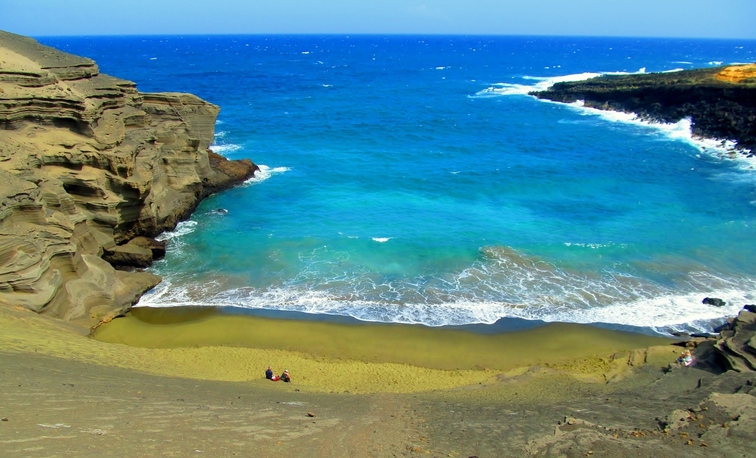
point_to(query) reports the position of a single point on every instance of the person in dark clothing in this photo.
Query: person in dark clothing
(285, 376)
(269, 373)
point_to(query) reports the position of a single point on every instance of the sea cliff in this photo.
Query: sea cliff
(90, 170)
(721, 102)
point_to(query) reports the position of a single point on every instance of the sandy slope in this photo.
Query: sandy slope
(64, 394)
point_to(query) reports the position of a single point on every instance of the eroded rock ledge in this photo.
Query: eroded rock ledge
(89, 166)
(720, 101)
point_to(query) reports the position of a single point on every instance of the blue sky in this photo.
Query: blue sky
(655, 18)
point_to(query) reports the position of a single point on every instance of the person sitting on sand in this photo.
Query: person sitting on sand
(685, 358)
(285, 376)
(269, 375)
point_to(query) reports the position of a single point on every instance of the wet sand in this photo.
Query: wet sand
(66, 394)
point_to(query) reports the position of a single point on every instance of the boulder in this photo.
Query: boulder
(129, 255)
(157, 247)
(714, 301)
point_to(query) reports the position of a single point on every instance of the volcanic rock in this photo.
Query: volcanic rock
(721, 102)
(716, 302)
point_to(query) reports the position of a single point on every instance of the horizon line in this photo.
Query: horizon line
(411, 34)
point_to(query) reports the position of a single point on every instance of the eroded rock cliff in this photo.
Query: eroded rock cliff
(88, 165)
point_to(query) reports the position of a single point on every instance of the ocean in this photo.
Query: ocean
(411, 179)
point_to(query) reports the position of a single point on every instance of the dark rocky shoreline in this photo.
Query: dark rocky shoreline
(719, 108)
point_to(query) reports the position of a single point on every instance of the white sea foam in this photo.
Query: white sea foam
(264, 173)
(664, 313)
(680, 131)
(502, 284)
(381, 239)
(541, 83)
(593, 246)
(222, 149)
(182, 228)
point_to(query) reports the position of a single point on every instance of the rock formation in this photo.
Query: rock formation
(88, 166)
(721, 102)
(737, 342)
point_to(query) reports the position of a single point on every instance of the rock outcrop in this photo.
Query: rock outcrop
(737, 342)
(721, 102)
(88, 165)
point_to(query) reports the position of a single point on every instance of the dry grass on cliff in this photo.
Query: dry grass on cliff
(738, 74)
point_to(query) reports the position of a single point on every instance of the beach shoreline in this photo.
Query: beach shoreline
(62, 387)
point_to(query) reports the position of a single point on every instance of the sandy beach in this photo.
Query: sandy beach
(67, 394)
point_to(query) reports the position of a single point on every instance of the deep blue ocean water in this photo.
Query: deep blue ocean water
(412, 179)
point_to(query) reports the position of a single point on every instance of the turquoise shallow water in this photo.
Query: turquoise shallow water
(411, 179)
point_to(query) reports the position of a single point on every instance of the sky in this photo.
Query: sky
(629, 18)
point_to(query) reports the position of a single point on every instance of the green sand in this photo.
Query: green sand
(433, 348)
(554, 360)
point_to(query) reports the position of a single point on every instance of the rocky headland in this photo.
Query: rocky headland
(721, 102)
(90, 170)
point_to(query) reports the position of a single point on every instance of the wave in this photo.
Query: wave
(542, 83)
(381, 239)
(182, 228)
(679, 131)
(664, 314)
(222, 149)
(264, 173)
(502, 283)
(593, 246)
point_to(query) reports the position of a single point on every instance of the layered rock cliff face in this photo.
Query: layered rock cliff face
(88, 165)
(720, 101)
